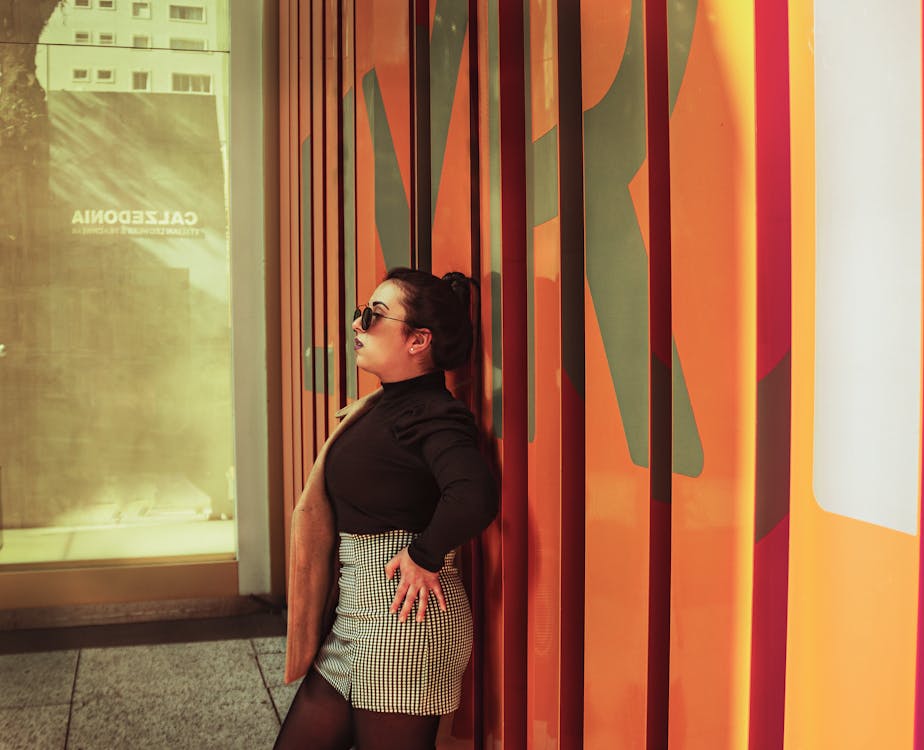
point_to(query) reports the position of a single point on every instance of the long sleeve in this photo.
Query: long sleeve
(445, 433)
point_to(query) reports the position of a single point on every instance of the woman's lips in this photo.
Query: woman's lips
(357, 344)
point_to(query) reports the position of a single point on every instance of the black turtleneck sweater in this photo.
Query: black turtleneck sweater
(412, 462)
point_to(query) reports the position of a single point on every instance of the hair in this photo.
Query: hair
(444, 306)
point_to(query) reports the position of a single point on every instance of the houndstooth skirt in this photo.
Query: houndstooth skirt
(381, 664)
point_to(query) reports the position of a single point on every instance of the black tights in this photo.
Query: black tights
(320, 718)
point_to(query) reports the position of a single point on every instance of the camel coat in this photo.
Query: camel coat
(313, 566)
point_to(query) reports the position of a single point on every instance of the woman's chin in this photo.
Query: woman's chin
(361, 362)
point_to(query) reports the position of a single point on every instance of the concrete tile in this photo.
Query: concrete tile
(40, 679)
(33, 727)
(208, 720)
(212, 667)
(273, 645)
(273, 667)
(283, 696)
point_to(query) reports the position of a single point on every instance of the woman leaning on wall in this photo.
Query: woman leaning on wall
(382, 638)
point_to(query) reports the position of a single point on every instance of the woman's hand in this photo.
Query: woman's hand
(415, 581)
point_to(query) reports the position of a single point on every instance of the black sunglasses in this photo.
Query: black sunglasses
(367, 315)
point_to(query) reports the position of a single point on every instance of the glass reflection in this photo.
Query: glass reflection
(116, 437)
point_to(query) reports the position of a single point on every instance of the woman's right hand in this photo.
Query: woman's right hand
(416, 583)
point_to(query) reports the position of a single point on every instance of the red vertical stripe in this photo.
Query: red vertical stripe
(774, 223)
(771, 551)
(476, 394)
(514, 519)
(573, 411)
(660, 411)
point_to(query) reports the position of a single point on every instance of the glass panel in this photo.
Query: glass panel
(116, 441)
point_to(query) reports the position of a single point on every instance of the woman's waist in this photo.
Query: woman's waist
(409, 514)
(367, 550)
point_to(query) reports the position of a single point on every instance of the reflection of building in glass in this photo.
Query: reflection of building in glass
(130, 67)
(155, 46)
(77, 30)
(117, 391)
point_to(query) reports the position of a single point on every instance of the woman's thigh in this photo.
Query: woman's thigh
(319, 718)
(386, 731)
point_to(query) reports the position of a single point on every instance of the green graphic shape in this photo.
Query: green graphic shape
(616, 260)
(450, 23)
(392, 212)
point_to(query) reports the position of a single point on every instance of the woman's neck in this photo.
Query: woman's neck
(423, 381)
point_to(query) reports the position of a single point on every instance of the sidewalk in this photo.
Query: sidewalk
(212, 694)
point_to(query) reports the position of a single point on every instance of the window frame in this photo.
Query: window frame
(190, 76)
(203, 42)
(136, 37)
(88, 78)
(170, 16)
(147, 80)
(146, 4)
(111, 79)
(89, 35)
(100, 6)
(109, 34)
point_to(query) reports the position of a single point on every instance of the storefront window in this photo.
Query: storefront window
(116, 436)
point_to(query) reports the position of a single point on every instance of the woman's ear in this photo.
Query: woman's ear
(420, 340)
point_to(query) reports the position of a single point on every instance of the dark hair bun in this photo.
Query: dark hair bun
(461, 286)
(444, 306)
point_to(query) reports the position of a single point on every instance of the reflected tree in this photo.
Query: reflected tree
(24, 131)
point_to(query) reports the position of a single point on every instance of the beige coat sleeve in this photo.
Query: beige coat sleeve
(311, 566)
(312, 579)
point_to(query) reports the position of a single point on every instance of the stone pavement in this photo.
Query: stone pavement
(211, 694)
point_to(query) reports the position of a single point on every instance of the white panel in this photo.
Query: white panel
(868, 260)
(248, 249)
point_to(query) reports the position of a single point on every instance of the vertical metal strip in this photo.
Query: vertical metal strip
(348, 157)
(573, 437)
(285, 302)
(297, 130)
(319, 242)
(919, 671)
(303, 157)
(772, 470)
(514, 410)
(421, 241)
(477, 368)
(335, 339)
(660, 380)
(321, 251)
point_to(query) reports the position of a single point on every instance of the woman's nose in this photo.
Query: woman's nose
(356, 325)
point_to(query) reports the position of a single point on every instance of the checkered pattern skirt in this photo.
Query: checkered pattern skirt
(381, 664)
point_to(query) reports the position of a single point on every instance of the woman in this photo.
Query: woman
(403, 483)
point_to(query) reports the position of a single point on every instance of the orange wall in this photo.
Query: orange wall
(631, 183)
